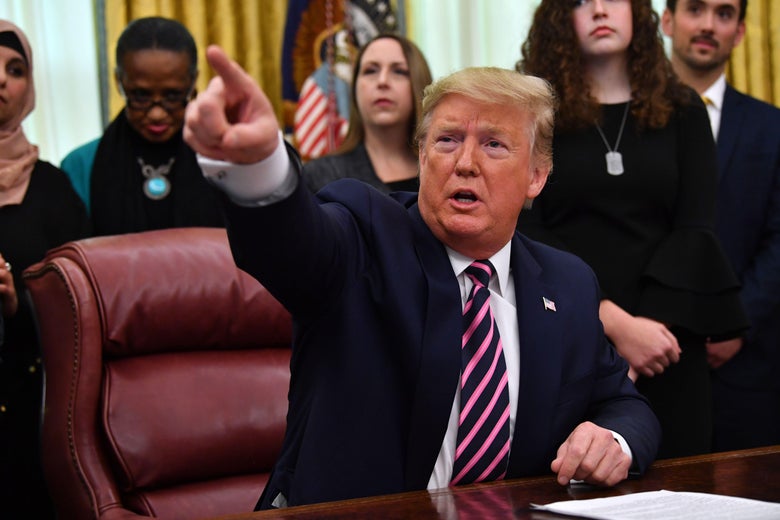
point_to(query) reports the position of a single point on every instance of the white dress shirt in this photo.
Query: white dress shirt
(715, 94)
(257, 184)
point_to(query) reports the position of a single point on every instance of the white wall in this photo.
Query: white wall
(458, 33)
(62, 36)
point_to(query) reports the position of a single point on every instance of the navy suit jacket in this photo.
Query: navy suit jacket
(748, 225)
(376, 354)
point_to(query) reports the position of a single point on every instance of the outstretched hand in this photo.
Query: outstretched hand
(232, 120)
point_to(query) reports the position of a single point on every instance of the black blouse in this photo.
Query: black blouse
(647, 233)
(354, 164)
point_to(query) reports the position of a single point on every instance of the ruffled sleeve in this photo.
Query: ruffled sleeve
(689, 283)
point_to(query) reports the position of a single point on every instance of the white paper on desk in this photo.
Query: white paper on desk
(667, 505)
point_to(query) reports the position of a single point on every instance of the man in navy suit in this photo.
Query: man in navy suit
(377, 290)
(746, 371)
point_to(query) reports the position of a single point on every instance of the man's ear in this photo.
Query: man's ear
(538, 180)
(667, 22)
(539, 175)
(740, 33)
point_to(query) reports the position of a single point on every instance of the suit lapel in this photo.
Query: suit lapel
(731, 121)
(439, 357)
(540, 361)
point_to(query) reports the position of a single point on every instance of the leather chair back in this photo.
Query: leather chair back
(167, 371)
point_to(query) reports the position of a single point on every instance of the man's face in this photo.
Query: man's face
(475, 173)
(703, 32)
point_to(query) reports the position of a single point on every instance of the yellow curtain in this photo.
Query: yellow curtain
(755, 64)
(250, 31)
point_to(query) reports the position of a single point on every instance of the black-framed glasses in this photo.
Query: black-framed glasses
(170, 101)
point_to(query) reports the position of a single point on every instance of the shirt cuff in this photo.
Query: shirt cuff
(258, 184)
(623, 445)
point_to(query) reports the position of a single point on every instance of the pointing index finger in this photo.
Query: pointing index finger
(233, 77)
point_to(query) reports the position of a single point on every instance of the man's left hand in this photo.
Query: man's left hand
(593, 455)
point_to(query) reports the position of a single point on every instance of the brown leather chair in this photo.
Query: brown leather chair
(167, 370)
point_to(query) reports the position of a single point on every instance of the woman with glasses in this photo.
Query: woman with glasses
(39, 210)
(141, 175)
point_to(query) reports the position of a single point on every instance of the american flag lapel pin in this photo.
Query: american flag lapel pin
(549, 305)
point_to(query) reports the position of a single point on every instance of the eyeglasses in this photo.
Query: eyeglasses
(171, 100)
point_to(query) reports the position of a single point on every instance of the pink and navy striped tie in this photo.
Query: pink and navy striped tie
(482, 451)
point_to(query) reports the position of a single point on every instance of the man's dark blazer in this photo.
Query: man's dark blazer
(748, 225)
(376, 354)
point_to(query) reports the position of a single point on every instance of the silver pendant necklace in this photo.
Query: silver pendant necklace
(156, 186)
(614, 158)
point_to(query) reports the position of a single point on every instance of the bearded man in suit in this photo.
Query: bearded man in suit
(746, 370)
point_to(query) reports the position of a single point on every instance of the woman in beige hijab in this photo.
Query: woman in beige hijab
(38, 210)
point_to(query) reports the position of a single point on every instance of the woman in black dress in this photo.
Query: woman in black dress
(632, 193)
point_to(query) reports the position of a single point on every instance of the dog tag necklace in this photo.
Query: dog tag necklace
(614, 158)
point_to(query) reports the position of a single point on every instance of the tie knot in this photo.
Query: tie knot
(480, 272)
(707, 101)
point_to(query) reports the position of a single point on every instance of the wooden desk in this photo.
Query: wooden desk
(749, 473)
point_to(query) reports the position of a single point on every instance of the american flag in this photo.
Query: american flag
(316, 95)
(319, 128)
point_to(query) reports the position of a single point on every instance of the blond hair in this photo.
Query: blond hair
(505, 87)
